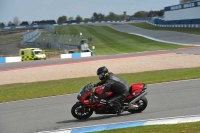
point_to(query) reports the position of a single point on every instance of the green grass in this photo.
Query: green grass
(195, 31)
(108, 41)
(20, 91)
(193, 127)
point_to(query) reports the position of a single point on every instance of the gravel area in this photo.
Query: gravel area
(11, 43)
(85, 69)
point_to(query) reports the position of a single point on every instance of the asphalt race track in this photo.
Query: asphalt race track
(19, 65)
(169, 36)
(46, 114)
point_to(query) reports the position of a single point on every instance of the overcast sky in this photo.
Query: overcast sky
(33, 10)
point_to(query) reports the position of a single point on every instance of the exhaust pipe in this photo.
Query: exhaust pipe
(136, 99)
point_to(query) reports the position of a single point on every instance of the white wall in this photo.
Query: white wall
(63, 56)
(13, 59)
(86, 54)
(188, 13)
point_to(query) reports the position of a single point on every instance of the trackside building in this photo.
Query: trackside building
(187, 13)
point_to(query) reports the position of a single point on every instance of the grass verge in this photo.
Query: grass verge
(143, 25)
(108, 41)
(21, 91)
(193, 127)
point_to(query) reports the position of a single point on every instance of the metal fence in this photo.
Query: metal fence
(51, 41)
(55, 41)
(30, 36)
(61, 39)
(53, 46)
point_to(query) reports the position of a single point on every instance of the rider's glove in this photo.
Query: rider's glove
(95, 85)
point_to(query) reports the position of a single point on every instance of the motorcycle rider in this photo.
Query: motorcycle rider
(113, 83)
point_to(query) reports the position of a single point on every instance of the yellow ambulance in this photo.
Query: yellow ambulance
(32, 54)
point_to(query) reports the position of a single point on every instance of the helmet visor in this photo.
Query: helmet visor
(101, 76)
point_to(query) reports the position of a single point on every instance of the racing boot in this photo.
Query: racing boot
(119, 108)
(116, 106)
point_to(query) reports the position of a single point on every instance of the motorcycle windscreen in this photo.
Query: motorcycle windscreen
(83, 92)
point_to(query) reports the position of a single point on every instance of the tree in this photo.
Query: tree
(155, 13)
(43, 22)
(71, 18)
(2, 24)
(141, 14)
(62, 19)
(87, 19)
(16, 20)
(24, 23)
(161, 13)
(11, 24)
(101, 16)
(98, 17)
(184, 1)
(79, 18)
(112, 16)
(94, 16)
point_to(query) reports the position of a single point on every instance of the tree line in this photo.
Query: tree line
(26, 23)
(95, 17)
(111, 16)
(184, 1)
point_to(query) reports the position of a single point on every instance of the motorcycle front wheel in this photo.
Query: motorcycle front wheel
(80, 111)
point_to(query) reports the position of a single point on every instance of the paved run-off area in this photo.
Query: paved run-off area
(84, 69)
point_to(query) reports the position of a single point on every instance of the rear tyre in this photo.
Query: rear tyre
(142, 104)
(80, 111)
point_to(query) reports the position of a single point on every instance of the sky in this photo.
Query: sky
(36, 10)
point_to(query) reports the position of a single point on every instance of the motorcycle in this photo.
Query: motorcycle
(135, 102)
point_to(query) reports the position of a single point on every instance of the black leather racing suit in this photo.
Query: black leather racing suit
(117, 85)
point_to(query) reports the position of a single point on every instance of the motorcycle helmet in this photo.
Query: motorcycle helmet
(101, 72)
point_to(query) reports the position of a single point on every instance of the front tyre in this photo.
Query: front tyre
(80, 111)
(142, 104)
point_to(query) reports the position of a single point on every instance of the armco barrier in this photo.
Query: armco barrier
(175, 25)
(76, 55)
(10, 59)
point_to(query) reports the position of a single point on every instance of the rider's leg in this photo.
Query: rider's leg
(116, 103)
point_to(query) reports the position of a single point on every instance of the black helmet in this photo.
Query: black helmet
(101, 72)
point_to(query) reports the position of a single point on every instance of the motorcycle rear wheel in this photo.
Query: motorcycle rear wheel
(80, 111)
(142, 103)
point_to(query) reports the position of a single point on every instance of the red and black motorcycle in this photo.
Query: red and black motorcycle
(135, 102)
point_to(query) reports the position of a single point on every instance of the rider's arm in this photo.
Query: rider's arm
(105, 90)
(100, 83)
